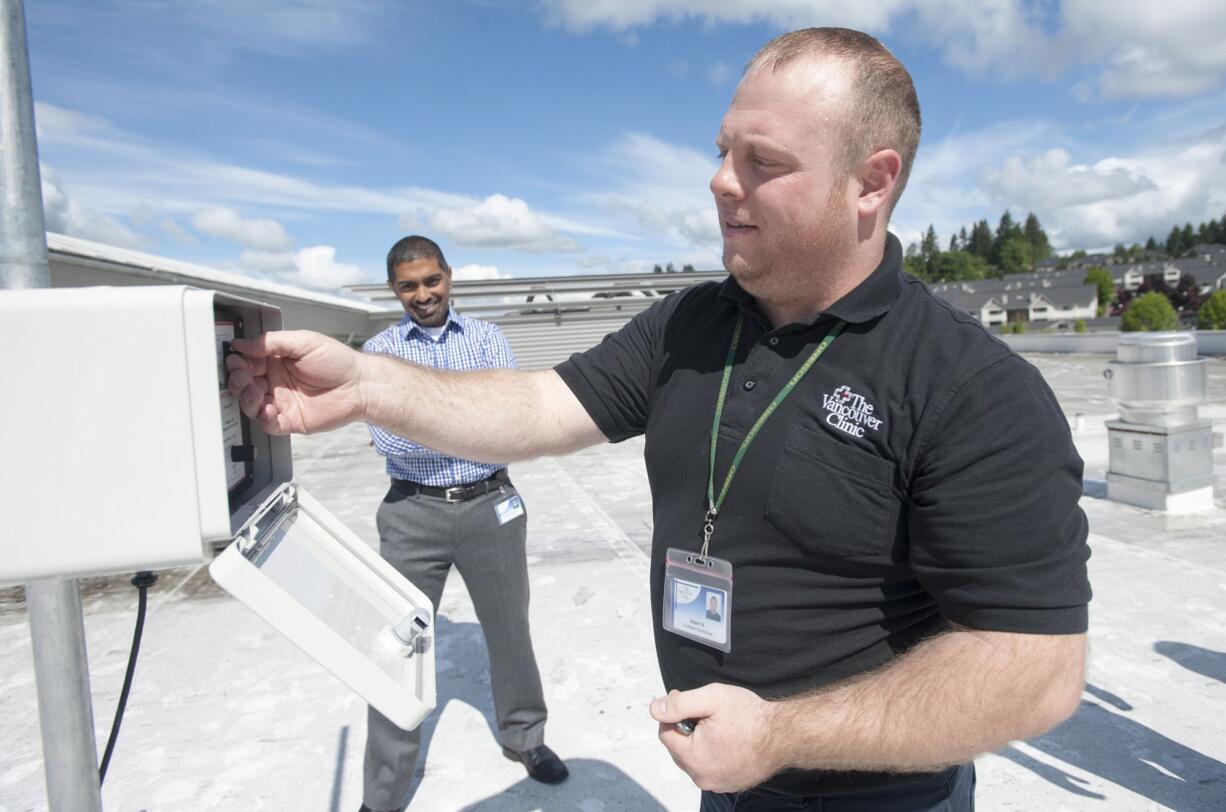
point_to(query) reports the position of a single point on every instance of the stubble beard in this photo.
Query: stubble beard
(792, 271)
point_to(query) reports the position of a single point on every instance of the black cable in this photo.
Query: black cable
(142, 581)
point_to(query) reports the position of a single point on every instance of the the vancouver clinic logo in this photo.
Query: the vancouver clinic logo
(849, 412)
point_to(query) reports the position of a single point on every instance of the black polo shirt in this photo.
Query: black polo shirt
(921, 473)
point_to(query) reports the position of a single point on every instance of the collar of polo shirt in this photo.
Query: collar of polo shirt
(871, 298)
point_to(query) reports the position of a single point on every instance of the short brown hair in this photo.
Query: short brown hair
(884, 112)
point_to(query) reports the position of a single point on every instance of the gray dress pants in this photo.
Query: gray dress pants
(422, 536)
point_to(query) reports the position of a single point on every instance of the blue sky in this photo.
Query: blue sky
(297, 139)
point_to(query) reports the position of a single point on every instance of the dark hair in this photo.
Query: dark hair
(883, 111)
(411, 249)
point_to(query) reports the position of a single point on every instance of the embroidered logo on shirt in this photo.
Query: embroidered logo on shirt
(849, 412)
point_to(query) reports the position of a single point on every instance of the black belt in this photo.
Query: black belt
(456, 493)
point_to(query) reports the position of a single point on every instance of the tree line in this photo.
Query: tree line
(979, 252)
(982, 252)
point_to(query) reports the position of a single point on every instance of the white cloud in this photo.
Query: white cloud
(662, 188)
(255, 233)
(116, 171)
(502, 222)
(1052, 181)
(1028, 166)
(271, 26)
(316, 267)
(1172, 183)
(592, 261)
(471, 272)
(944, 186)
(51, 121)
(172, 227)
(620, 15)
(67, 215)
(313, 267)
(1173, 48)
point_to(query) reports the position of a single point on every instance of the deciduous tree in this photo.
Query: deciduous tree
(1149, 312)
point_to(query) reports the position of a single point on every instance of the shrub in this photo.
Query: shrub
(1149, 312)
(1212, 314)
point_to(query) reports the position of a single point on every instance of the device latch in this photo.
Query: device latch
(268, 520)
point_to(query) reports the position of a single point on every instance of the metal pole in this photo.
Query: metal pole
(57, 626)
(23, 232)
(65, 714)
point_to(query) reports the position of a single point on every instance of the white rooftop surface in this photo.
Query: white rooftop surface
(225, 714)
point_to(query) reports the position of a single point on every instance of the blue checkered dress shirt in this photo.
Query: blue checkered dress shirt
(465, 343)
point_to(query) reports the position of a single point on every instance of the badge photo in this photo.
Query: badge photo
(508, 509)
(698, 598)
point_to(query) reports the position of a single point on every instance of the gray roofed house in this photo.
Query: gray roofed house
(1209, 276)
(998, 306)
(1214, 252)
(1129, 277)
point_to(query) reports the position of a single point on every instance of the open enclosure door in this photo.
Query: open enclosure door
(317, 583)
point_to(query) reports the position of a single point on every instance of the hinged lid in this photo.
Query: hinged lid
(311, 578)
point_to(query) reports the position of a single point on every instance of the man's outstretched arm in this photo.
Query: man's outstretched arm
(303, 382)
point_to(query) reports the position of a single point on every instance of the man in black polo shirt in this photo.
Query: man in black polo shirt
(892, 492)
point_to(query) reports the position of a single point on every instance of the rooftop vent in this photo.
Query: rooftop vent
(1161, 451)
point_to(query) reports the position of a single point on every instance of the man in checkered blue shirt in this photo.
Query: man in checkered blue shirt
(440, 511)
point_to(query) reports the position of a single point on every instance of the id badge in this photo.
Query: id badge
(698, 598)
(509, 509)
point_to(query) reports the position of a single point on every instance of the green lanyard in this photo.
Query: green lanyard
(714, 504)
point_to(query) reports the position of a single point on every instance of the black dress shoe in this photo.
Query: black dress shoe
(542, 764)
(366, 808)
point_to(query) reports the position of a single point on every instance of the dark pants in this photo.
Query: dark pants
(422, 536)
(951, 791)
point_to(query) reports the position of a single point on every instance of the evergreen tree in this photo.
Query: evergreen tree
(1189, 238)
(1150, 244)
(1007, 228)
(980, 243)
(1014, 256)
(1214, 232)
(930, 249)
(959, 266)
(1040, 248)
(1174, 242)
(914, 264)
